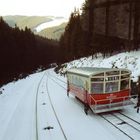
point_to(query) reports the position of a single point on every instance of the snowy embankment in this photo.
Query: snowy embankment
(37, 108)
(17, 109)
(18, 113)
(129, 60)
(54, 22)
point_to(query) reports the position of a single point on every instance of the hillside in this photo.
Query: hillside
(33, 22)
(53, 32)
(23, 21)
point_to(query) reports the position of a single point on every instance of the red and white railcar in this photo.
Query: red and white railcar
(101, 89)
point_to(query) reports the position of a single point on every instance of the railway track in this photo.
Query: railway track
(127, 121)
(130, 118)
(36, 107)
(121, 122)
(53, 108)
(58, 84)
(120, 119)
(60, 80)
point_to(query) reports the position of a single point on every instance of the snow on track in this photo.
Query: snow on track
(26, 112)
(18, 109)
(72, 117)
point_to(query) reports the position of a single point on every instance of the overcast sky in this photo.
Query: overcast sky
(39, 7)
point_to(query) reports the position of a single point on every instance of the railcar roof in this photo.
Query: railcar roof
(87, 71)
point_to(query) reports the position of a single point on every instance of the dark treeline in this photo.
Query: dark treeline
(106, 27)
(22, 52)
(74, 41)
(102, 28)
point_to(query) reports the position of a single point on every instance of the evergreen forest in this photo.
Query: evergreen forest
(104, 30)
(22, 52)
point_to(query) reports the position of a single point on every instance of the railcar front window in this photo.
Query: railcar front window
(125, 76)
(97, 87)
(124, 72)
(111, 87)
(124, 84)
(112, 78)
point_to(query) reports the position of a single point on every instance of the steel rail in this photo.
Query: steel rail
(54, 109)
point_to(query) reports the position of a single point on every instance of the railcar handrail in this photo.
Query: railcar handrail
(105, 107)
(110, 100)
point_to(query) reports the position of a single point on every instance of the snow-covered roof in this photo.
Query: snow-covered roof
(87, 71)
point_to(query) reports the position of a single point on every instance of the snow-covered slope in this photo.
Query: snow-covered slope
(37, 108)
(130, 60)
(17, 109)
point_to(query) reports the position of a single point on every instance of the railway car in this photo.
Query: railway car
(100, 89)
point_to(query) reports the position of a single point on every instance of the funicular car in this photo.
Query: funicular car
(100, 89)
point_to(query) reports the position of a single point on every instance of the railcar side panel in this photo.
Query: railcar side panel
(78, 92)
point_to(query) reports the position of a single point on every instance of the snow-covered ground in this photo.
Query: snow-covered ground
(54, 22)
(37, 108)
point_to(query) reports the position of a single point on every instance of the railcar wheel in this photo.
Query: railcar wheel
(86, 108)
(67, 94)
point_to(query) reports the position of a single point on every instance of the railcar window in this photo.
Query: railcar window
(112, 73)
(97, 79)
(77, 81)
(124, 84)
(111, 86)
(125, 76)
(97, 87)
(124, 72)
(113, 78)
